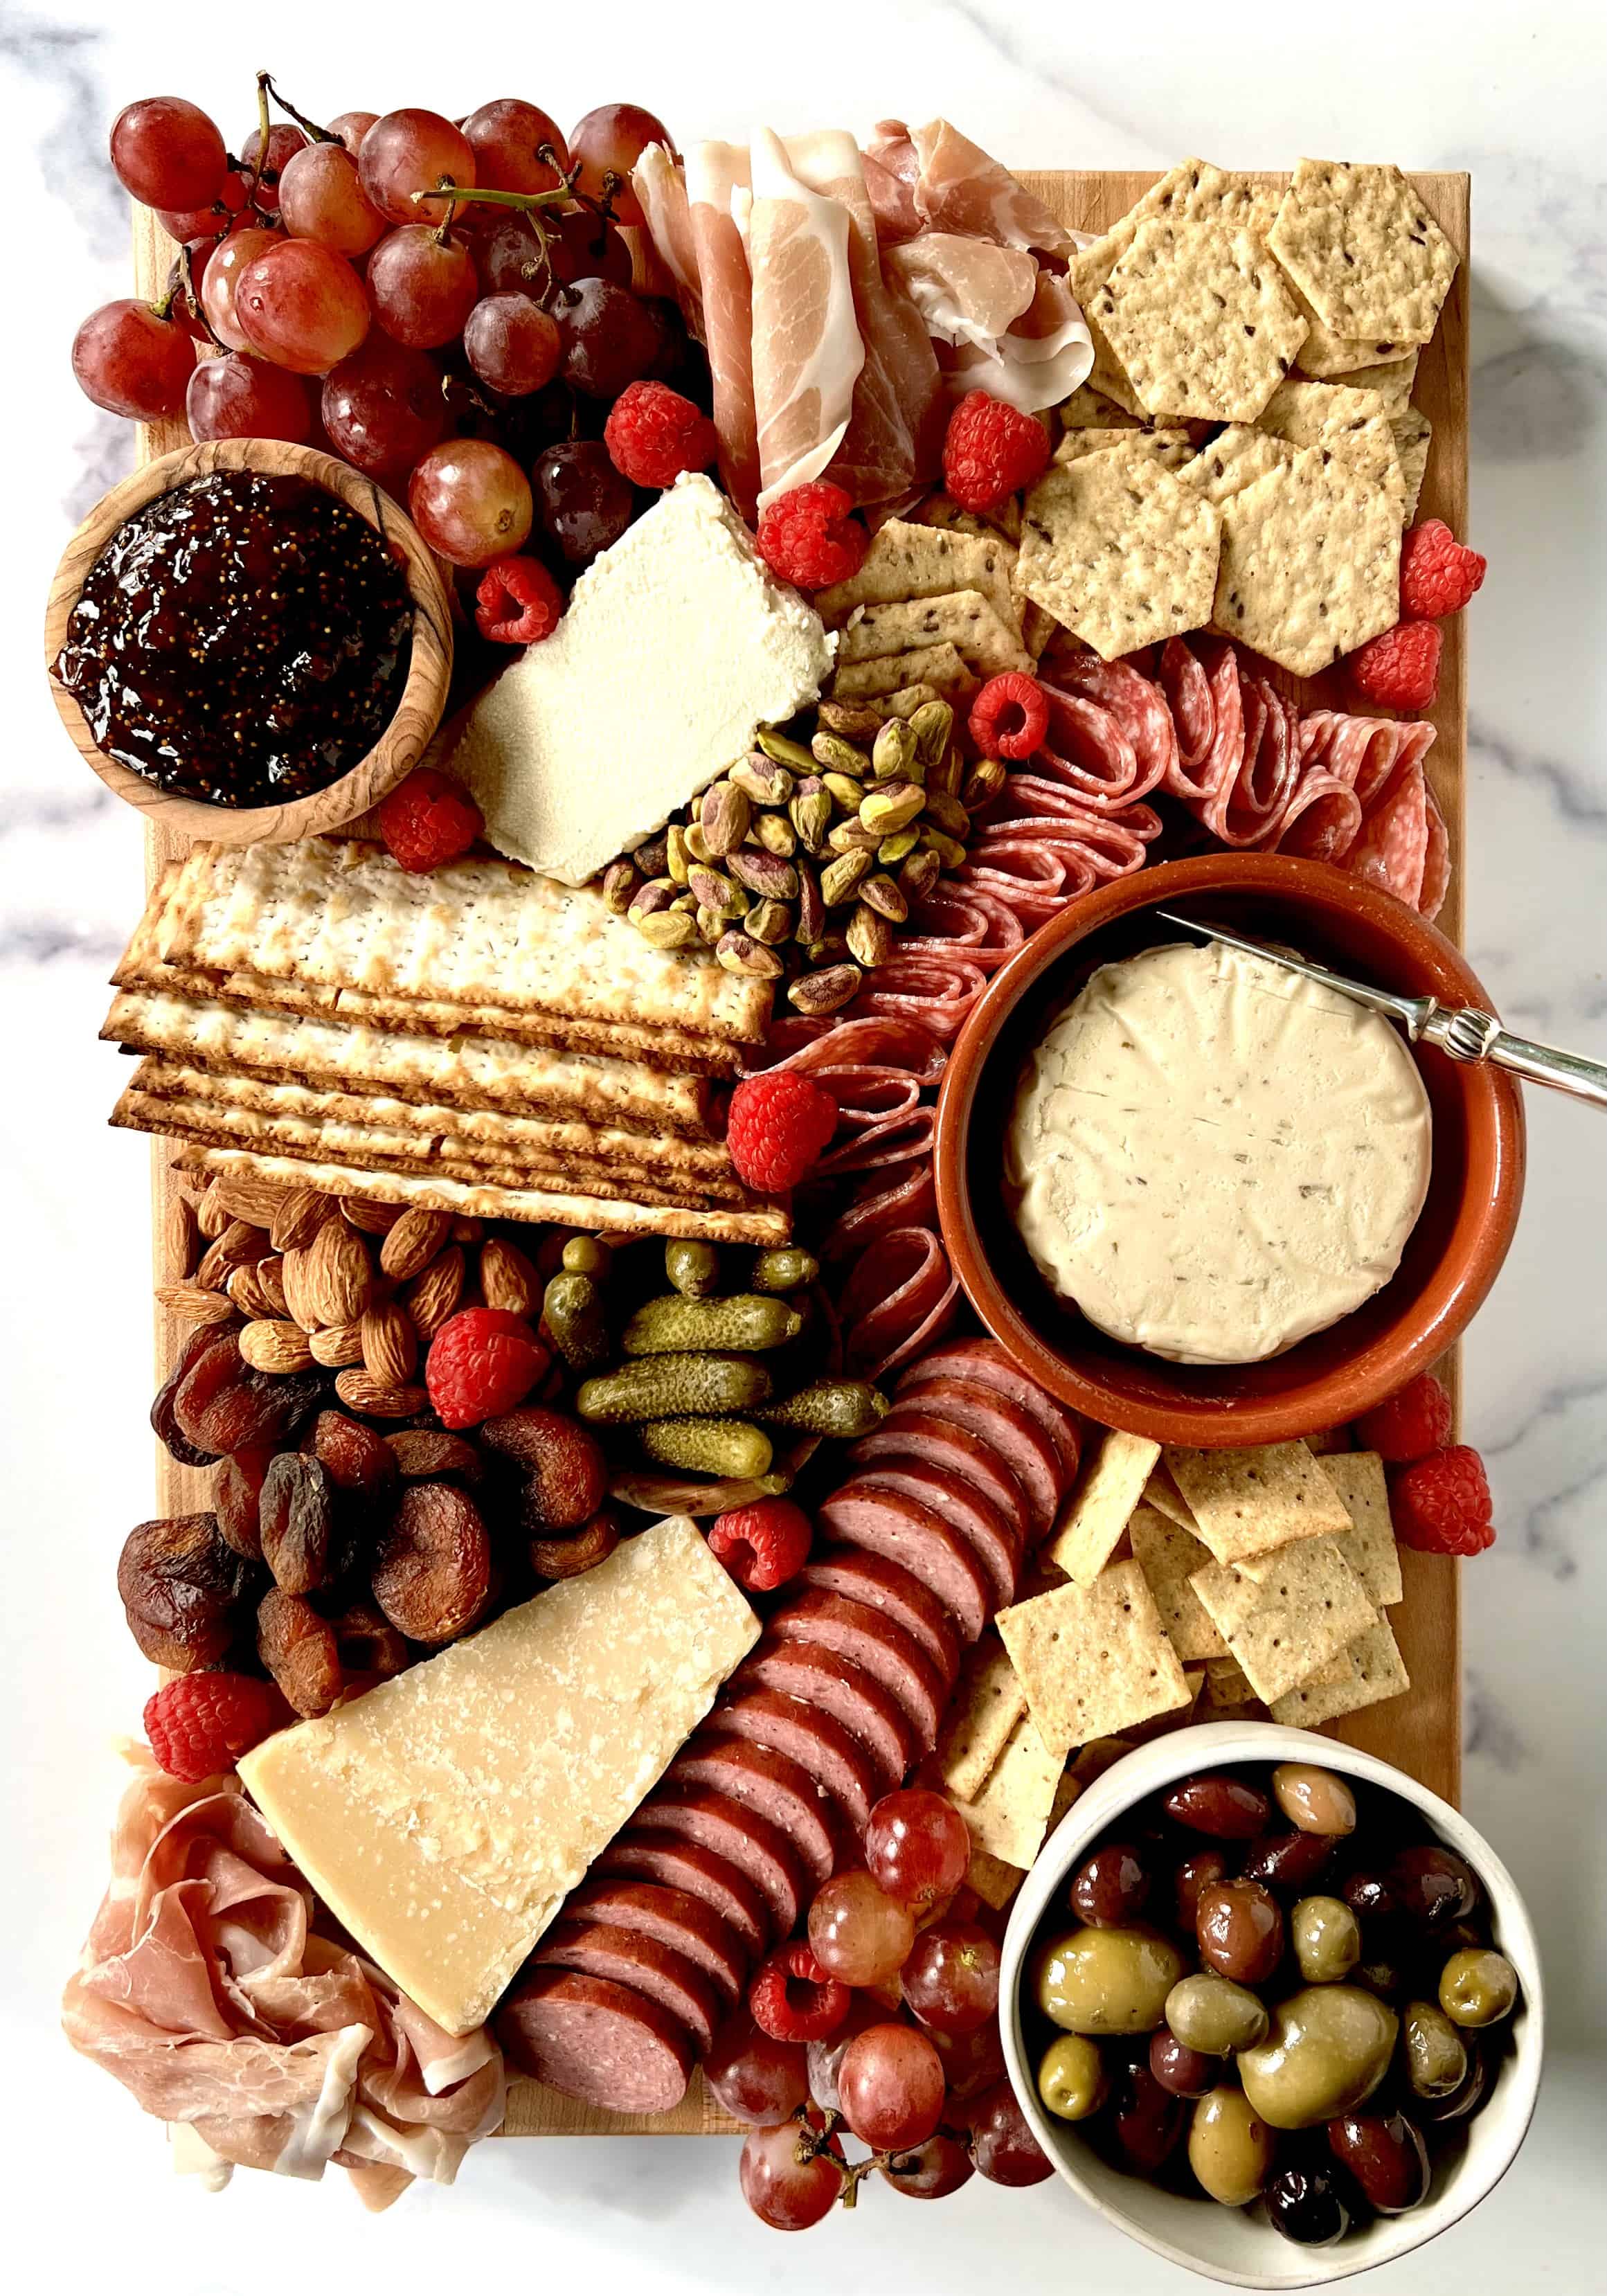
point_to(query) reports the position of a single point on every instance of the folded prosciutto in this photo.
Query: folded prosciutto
(205, 1990)
(716, 175)
(808, 350)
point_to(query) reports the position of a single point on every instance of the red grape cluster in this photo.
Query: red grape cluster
(886, 2025)
(459, 292)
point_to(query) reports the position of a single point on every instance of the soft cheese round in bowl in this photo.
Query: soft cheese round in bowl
(1214, 1157)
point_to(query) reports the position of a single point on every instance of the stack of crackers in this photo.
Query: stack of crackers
(932, 612)
(1187, 1585)
(479, 1040)
(1295, 322)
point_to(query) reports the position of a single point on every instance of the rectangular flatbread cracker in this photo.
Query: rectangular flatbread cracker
(1369, 1547)
(1010, 1814)
(1161, 1493)
(1093, 1660)
(988, 1702)
(962, 619)
(1096, 1514)
(1247, 1502)
(1168, 1556)
(1302, 1613)
(909, 560)
(941, 667)
(1377, 1671)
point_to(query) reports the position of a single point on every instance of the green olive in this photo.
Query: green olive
(1326, 1937)
(1314, 1800)
(1229, 2149)
(1436, 2052)
(586, 1255)
(1071, 2077)
(1215, 2016)
(1478, 1987)
(1111, 1980)
(1329, 2047)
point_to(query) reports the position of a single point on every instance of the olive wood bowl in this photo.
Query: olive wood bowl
(417, 714)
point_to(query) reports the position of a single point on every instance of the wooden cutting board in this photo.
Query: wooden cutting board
(1422, 1732)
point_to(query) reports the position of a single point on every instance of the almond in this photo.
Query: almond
(212, 1215)
(390, 1346)
(413, 1243)
(298, 1292)
(191, 1305)
(240, 1245)
(467, 1229)
(249, 1294)
(336, 1345)
(337, 1275)
(299, 1217)
(359, 1391)
(181, 1238)
(374, 1219)
(270, 1275)
(256, 1201)
(431, 1298)
(272, 1345)
(507, 1278)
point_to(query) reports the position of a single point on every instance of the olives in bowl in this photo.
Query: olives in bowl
(1346, 2055)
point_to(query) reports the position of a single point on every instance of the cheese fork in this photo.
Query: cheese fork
(1462, 1032)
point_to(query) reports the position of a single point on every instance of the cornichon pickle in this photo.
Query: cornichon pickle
(843, 1407)
(573, 1311)
(693, 1268)
(673, 1387)
(708, 1447)
(673, 1324)
(782, 1269)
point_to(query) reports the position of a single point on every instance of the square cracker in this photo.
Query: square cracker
(1093, 1660)
(1345, 419)
(1168, 1556)
(1085, 1537)
(1010, 1816)
(1414, 433)
(1119, 551)
(940, 666)
(1161, 1493)
(1310, 562)
(1281, 1628)
(1249, 1502)
(1363, 249)
(1170, 449)
(1377, 1672)
(988, 1703)
(1369, 1548)
(908, 560)
(1202, 321)
(962, 619)
(995, 1881)
(1236, 458)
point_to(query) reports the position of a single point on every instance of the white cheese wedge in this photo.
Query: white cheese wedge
(445, 1815)
(1214, 1157)
(677, 645)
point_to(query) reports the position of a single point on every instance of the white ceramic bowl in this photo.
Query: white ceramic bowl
(1231, 2245)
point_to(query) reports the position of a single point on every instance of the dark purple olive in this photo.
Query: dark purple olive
(1196, 1872)
(1109, 1887)
(1386, 2155)
(1306, 2205)
(1240, 1929)
(1147, 2121)
(1216, 1802)
(1180, 2071)
(1432, 1884)
(1369, 1896)
(1386, 1974)
(1288, 1861)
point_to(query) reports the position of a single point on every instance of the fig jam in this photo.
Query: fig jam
(242, 639)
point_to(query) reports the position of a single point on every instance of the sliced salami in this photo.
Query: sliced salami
(1393, 845)
(675, 1919)
(895, 1196)
(936, 992)
(1138, 707)
(1188, 697)
(900, 1296)
(759, 1851)
(604, 2043)
(892, 1045)
(770, 1784)
(833, 1756)
(906, 1530)
(993, 1535)
(874, 1578)
(632, 1958)
(1011, 1432)
(984, 1363)
(885, 1140)
(845, 1691)
(678, 1862)
(1436, 860)
(872, 1640)
(1321, 818)
(1087, 750)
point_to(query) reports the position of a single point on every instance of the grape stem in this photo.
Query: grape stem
(264, 88)
(527, 202)
(188, 272)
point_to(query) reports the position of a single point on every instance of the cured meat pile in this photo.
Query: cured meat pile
(840, 1698)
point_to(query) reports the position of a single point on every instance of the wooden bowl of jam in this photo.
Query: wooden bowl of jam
(250, 642)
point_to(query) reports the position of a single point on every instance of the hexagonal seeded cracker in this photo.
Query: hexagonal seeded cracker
(1285, 1626)
(1093, 1660)
(1310, 562)
(1249, 1501)
(1202, 319)
(1324, 353)
(1192, 192)
(1363, 250)
(1414, 433)
(1234, 459)
(1394, 380)
(1088, 410)
(1346, 421)
(1170, 449)
(1116, 549)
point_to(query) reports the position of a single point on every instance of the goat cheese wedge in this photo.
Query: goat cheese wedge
(678, 644)
(1213, 1157)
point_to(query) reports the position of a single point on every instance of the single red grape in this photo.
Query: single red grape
(1003, 2146)
(512, 344)
(610, 338)
(282, 144)
(240, 397)
(585, 503)
(893, 2087)
(783, 2192)
(507, 135)
(613, 138)
(302, 306)
(321, 197)
(508, 255)
(972, 2062)
(471, 501)
(582, 244)
(423, 288)
(825, 2058)
(753, 2077)
(351, 126)
(411, 151)
(214, 216)
(168, 152)
(382, 407)
(857, 1932)
(130, 361)
(951, 1978)
(932, 2170)
(228, 261)
(917, 1847)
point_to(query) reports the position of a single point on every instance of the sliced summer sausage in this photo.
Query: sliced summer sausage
(955, 1450)
(840, 1688)
(837, 1761)
(983, 1363)
(872, 1640)
(769, 1783)
(756, 1847)
(886, 1521)
(633, 1959)
(995, 1540)
(1012, 1434)
(604, 2043)
(868, 1577)
(676, 1863)
(673, 1917)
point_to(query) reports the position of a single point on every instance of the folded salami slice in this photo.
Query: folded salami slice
(1321, 818)
(936, 991)
(980, 926)
(1365, 752)
(1188, 696)
(1087, 751)
(884, 1140)
(1393, 846)
(1437, 861)
(900, 1196)
(1135, 703)
(890, 1043)
(899, 1297)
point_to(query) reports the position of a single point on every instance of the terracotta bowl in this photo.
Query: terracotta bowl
(1450, 1260)
(418, 713)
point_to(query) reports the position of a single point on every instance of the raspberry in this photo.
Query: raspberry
(1437, 574)
(198, 1725)
(1010, 717)
(990, 451)
(1399, 668)
(653, 434)
(779, 1124)
(762, 1545)
(428, 820)
(808, 537)
(1442, 1505)
(1408, 1425)
(792, 1999)
(517, 602)
(481, 1362)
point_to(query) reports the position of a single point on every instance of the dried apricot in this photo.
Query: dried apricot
(432, 1576)
(298, 1521)
(434, 1454)
(358, 1459)
(236, 1497)
(567, 1475)
(221, 1405)
(179, 1446)
(567, 1558)
(300, 1650)
(369, 1644)
(183, 1590)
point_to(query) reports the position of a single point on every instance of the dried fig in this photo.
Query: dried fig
(432, 1575)
(183, 1590)
(297, 1519)
(300, 1650)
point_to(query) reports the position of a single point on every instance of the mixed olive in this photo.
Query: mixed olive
(1268, 1988)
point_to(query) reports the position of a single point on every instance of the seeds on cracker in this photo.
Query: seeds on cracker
(1168, 1556)
(939, 667)
(1369, 1547)
(1118, 551)
(1236, 458)
(1170, 449)
(907, 560)
(1393, 380)
(1325, 353)
(1310, 562)
(1202, 321)
(1093, 1660)
(989, 1701)
(1249, 1502)
(1414, 433)
(1342, 418)
(1377, 1671)
(963, 618)
(1279, 1628)
(1088, 410)
(1363, 249)
(1106, 1494)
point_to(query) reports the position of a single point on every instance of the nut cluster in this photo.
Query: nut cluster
(803, 862)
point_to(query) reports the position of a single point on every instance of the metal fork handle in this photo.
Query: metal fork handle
(1470, 1034)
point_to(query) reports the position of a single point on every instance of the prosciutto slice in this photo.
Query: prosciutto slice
(661, 187)
(715, 175)
(1040, 359)
(205, 1990)
(968, 292)
(953, 185)
(807, 351)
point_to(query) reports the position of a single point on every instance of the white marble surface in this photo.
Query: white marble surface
(1519, 96)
